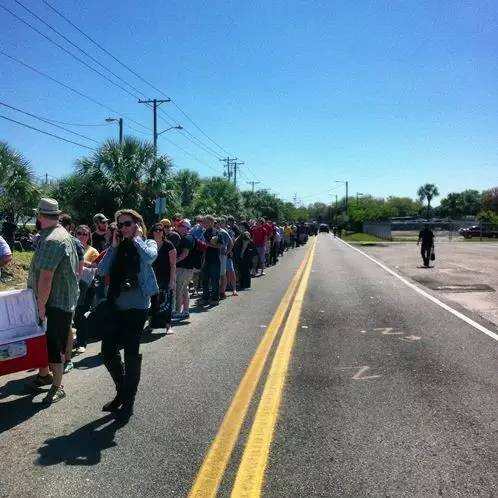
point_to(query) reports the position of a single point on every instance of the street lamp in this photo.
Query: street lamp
(177, 127)
(120, 124)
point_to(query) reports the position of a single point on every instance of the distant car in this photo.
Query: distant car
(475, 231)
(324, 228)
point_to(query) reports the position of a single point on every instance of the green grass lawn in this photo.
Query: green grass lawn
(361, 237)
(15, 274)
(23, 258)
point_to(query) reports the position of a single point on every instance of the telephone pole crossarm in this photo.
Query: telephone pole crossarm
(155, 104)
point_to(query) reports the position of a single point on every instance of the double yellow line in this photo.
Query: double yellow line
(249, 479)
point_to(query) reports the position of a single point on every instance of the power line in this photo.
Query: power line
(203, 163)
(132, 71)
(192, 138)
(81, 61)
(188, 136)
(47, 121)
(47, 133)
(103, 66)
(81, 94)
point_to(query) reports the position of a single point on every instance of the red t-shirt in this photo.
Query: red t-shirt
(259, 235)
(270, 229)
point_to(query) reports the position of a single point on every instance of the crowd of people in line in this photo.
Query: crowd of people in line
(120, 280)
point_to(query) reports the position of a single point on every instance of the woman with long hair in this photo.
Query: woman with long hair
(87, 292)
(244, 251)
(132, 282)
(165, 270)
(84, 235)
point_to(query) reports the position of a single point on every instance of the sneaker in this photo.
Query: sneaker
(43, 380)
(203, 302)
(54, 394)
(214, 302)
(68, 366)
(223, 296)
(80, 350)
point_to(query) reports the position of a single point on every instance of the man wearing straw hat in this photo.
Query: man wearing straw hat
(53, 276)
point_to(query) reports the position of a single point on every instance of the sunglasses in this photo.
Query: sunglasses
(158, 230)
(79, 234)
(127, 223)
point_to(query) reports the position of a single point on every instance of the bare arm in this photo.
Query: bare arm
(43, 291)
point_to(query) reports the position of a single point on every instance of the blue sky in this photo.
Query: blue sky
(388, 95)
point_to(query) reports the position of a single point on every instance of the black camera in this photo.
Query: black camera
(129, 283)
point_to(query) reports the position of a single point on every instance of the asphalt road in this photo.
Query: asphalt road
(386, 394)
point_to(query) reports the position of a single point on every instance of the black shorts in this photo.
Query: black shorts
(58, 325)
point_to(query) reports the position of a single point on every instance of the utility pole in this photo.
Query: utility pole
(347, 186)
(236, 164)
(253, 184)
(155, 104)
(228, 166)
(120, 123)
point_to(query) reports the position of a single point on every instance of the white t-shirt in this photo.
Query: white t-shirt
(4, 248)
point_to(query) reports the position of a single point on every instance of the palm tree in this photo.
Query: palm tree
(130, 172)
(188, 183)
(19, 191)
(428, 191)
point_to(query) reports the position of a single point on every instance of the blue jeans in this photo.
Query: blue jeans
(211, 281)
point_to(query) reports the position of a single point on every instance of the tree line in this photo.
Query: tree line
(129, 175)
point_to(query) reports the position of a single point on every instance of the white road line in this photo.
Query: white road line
(435, 300)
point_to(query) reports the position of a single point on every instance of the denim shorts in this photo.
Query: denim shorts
(230, 266)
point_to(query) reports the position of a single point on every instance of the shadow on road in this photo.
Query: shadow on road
(83, 447)
(88, 362)
(151, 337)
(17, 411)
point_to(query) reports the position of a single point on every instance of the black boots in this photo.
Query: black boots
(115, 367)
(133, 367)
(126, 380)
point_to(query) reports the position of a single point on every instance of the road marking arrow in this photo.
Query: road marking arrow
(411, 338)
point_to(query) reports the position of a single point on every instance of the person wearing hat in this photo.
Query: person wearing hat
(53, 277)
(101, 238)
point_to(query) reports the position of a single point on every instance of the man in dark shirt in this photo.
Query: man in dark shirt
(101, 238)
(170, 234)
(211, 268)
(426, 236)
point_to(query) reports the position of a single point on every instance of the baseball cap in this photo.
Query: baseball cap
(100, 218)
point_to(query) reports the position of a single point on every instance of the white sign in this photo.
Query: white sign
(160, 207)
(18, 316)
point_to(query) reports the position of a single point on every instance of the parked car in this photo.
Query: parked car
(475, 231)
(324, 228)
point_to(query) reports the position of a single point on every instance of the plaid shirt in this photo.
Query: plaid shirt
(56, 252)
